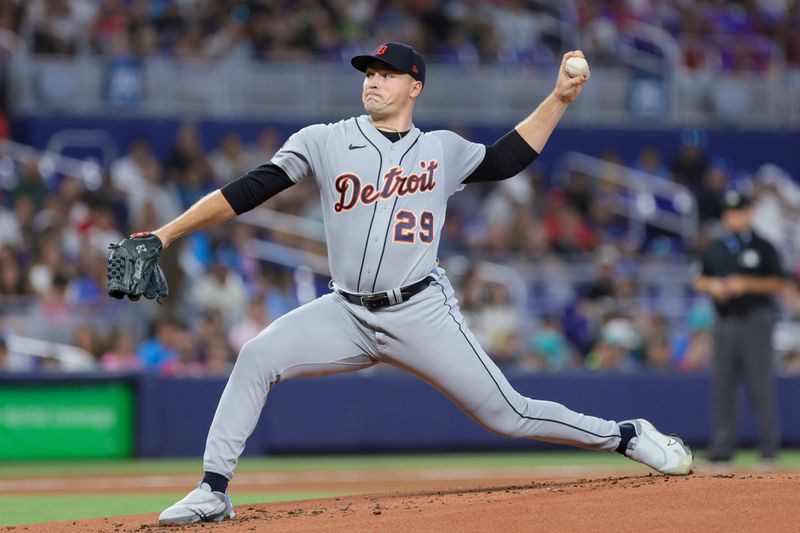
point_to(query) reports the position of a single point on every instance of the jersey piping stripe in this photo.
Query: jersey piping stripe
(299, 156)
(450, 312)
(391, 217)
(375, 208)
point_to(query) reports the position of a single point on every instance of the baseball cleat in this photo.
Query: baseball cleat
(200, 505)
(665, 453)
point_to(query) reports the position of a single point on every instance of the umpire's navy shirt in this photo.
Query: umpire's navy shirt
(746, 254)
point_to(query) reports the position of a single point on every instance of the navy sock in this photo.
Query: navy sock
(217, 482)
(627, 431)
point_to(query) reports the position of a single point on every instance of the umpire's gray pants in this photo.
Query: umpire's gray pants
(743, 348)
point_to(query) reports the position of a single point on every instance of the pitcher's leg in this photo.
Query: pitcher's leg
(283, 350)
(442, 351)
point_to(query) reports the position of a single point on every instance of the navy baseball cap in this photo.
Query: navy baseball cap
(396, 55)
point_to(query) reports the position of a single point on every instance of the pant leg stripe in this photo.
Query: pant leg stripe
(500, 390)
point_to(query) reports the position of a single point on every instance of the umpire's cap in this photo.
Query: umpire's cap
(397, 55)
(735, 200)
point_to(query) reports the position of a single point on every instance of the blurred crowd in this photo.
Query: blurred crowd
(55, 228)
(736, 35)
(54, 233)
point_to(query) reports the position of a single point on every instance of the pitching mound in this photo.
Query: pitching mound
(731, 503)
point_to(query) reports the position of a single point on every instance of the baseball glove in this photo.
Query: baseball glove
(132, 269)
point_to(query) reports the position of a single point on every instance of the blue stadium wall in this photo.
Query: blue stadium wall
(393, 412)
(748, 149)
(389, 413)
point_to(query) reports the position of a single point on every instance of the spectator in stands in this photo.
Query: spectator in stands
(613, 352)
(12, 281)
(691, 165)
(535, 236)
(229, 160)
(122, 356)
(86, 338)
(255, 320)
(498, 325)
(56, 25)
(730, 35)
(156, 201)
(88, 284)
(219, 358)
(29, 183)
(548, 348)
(222, 289)
(10, 232)
(776, 207)
(188, 151)
(159, 348)
(192, 184)
(110, 22)
(101, 229)
(787, 34)
(279, 292)
(25, 212)
(47, 261)
(649, 160)
(72, 194)
(656, 341)
(579, 192)
(266, 145)
(189, 42)
(711, 191)
(186, 362)
(520, 30)
(53, 305)
(53, 217)
(128, 172)
(230, 40)
(692, 351)
(610, 228)
(209, 327)
(566, 231)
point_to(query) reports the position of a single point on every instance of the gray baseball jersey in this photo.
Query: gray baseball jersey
(383, 202)
(384, 206)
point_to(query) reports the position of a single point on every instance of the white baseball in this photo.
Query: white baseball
(576, 66)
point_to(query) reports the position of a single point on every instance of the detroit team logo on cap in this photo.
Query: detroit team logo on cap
(397, 55)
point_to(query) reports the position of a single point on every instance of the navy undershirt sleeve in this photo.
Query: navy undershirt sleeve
(255, 187)
(506, 158)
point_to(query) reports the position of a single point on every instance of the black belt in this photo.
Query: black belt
(385, 299)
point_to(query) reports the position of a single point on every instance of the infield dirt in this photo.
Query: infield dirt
(741, 502)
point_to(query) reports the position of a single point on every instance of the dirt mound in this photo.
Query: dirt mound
(729, 502)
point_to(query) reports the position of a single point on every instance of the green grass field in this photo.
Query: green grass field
(26, 509)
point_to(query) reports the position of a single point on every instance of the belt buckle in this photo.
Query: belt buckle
(372, 302)
(368, 303)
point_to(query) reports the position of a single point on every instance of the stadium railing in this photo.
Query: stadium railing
(622, 95)
(642, 198)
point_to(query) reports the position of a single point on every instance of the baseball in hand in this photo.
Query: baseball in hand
(576, 66)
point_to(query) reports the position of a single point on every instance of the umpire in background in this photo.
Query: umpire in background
(741, 271)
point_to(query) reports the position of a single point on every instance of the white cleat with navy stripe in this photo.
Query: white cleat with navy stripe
(200, 505)
(665, 453)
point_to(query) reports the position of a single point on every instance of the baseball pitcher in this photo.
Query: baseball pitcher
(385, 186)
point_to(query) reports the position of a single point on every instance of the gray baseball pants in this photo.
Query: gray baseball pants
(743, 349)
(425, 336)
